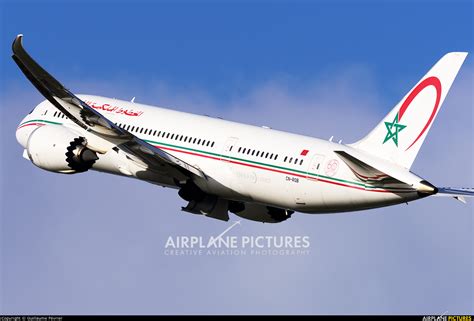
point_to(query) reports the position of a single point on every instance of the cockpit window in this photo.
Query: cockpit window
(31, 111)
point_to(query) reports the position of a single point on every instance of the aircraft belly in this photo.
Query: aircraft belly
(224, 181)
(338, 199)
(272, 188)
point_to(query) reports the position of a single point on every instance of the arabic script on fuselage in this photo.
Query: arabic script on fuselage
(114, 109)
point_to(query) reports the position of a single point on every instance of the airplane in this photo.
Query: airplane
(219, 166)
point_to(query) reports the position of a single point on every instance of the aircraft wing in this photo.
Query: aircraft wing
(95, 123)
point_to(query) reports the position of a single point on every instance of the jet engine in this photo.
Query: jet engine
(203, 203)
(57, 149)
(259, 213)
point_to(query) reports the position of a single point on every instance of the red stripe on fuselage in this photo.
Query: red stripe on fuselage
(277, 171)
(31, 124)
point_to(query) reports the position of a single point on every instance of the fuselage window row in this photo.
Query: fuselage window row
(292, 160)
(159, 133)
(256, 153)
(58, 114)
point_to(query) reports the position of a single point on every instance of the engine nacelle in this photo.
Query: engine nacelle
(57, 149)
(259, 213)
(203, 203)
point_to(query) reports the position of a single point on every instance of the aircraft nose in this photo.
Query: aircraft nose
(23, 131)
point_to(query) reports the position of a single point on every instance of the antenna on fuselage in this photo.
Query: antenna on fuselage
(133, 100)
(330, 139)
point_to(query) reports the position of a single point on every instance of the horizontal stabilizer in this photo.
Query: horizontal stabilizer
(376, 172)
(456, 193)
(362, 170)
(461, 191)
(370, 169)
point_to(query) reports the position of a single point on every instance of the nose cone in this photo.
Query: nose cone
(23, 132)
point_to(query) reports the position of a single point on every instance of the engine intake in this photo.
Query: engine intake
(79, 157)
(58, 149)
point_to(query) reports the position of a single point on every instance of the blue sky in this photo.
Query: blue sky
(290, 65)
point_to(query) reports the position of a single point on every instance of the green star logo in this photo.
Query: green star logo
(393, 128)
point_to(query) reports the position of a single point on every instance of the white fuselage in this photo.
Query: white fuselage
(243, 162)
